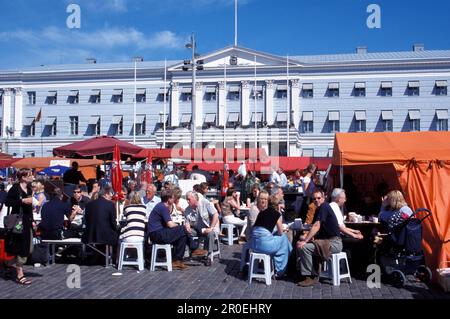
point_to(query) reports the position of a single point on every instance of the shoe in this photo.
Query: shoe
(178, 264)
(199, 252)
(242, 241)
(23, 281)
(208, 263)
(308, 282)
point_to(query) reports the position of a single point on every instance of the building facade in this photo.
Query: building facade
(244, 98)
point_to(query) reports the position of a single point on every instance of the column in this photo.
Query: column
(174, 105)
(269, 102)
(198, 104)
(6, 116)
(18, 107)
(245, 111)
(295, 104)
(222, 104)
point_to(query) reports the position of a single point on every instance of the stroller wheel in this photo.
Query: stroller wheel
(398, 278)
(423, 273)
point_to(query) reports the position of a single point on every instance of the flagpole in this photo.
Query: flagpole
(235, 23)
(42, 141)
(288, 111)
(165, 110)
(225, 104)
(256, 114)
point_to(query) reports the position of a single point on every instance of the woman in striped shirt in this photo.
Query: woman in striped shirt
(134, 213)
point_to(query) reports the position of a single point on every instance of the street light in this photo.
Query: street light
(193, 64)
(135, 60)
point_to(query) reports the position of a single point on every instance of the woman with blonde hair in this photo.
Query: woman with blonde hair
(394, 209)
(39, 198)
(135, 214)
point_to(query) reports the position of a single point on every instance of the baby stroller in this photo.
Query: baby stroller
(402, 254)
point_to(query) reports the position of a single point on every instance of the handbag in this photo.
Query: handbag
(14, 222)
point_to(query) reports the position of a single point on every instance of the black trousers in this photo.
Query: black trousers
(176, 236)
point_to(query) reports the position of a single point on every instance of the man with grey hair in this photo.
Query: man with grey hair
(338, 199)
(203, 219)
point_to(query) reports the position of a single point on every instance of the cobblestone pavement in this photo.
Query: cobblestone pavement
(220, 281)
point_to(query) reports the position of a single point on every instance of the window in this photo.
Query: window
(360, 121)
(281, 119)
(186, 94)
(51, 123)
(140, 96)
(31, 98)
(1, 122)
(95, 97)
(140, 125)
(117, 121)
(52, 97)
(73, 125)
(257, 119)
(307, 122)
(282, 90)
(210, 93)
(413, 88)
(163, 92)
(95, 124)
(1, 97)
(386, 89)
(30, 126)
(233, 119)
(186, 119)
(442, 120)
(73, 97)
(234, 93)
(333, 121)
(360, 89)
(414, 120)
(441, 88)
(308, 91)
(257, 92)
(333, 89)
(387, 118)
(117, 96)
(210, 119)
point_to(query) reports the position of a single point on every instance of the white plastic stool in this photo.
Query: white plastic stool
(140, 255)
(230, 238)
(167, 263)
(332, 269)
(268, 268)
(244, 255)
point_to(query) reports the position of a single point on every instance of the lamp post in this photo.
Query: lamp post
(194, 64)
(135, 60)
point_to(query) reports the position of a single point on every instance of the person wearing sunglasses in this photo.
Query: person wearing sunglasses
(78, 203)
(323, 240)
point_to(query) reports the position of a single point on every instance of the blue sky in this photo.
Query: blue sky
(34, 32)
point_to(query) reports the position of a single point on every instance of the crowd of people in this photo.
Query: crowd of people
(165, 216)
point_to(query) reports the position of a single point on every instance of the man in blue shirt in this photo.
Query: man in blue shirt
(327, 240)
(162, 230)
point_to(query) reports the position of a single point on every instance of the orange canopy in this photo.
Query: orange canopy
(420, 162)
(86, 166)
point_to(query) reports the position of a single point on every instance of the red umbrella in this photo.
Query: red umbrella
(116, 173)
(100, 145)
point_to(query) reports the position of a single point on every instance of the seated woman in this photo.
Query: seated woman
(231, 211)
(134, 213)
(264, 241)
(394, 210)
(178, 207)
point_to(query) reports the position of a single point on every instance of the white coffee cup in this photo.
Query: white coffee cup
(375, 219)
(298, 223)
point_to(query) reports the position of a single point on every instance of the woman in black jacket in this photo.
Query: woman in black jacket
(20, 198)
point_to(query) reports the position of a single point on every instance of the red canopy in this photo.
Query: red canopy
(99, 145)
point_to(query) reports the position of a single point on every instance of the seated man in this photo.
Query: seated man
(204, 219)
(162, 230)
(150, 200)
(101, 221)
(78, 204)
(52, 214)
(327, 241)
(338, 198)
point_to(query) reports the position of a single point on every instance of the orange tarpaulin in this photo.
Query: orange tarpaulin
(86, 166)
(421, 161)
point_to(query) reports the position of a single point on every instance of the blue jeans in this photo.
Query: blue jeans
(278, 247)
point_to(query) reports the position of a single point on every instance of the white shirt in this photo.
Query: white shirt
(275, 178)
(198, 177)
(150, 204)
(338, 213)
